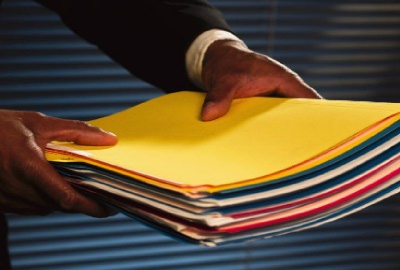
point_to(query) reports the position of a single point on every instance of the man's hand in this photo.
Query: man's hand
(231, 71)
(28, 183)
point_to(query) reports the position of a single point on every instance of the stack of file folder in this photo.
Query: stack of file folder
(271, 166)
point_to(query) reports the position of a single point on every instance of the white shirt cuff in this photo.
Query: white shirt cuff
(197, 50)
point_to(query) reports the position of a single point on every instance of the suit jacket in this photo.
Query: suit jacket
(149, 38)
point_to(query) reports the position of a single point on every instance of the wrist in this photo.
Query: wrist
(195, 53)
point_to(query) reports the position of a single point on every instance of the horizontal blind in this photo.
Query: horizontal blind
(344, 49)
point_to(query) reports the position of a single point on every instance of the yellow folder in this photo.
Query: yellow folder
(163, 142)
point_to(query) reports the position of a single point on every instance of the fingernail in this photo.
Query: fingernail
(208, 104)
(108, 132)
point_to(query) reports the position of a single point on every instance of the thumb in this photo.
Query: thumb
(55, 129)
(216, 104)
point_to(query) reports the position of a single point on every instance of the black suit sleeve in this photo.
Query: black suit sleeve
(149, 38)
(5, 262)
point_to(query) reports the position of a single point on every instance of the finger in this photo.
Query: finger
(65, 197)
(80, 133)
(50, 128)
(216, 104)
(90, 191)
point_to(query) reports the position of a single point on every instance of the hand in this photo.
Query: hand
(28, 183)
(231, 71)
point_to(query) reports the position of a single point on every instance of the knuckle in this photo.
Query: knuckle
(35, 122)
(33, 116)
(68, 201)
(77, 126)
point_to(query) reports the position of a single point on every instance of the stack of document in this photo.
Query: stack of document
(271, 166)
